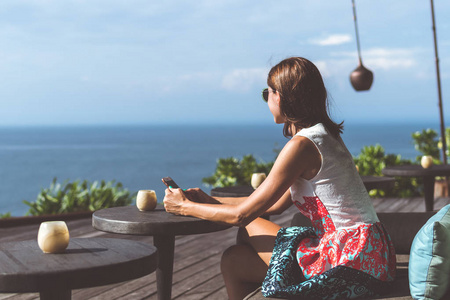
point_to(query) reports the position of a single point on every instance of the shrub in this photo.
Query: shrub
(232, 171)
(427, 143)
(5, 215)
(78, 196)
(373, 159)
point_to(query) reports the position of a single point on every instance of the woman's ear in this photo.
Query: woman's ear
(277, 98)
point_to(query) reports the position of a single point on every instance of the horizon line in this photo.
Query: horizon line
(222, 123)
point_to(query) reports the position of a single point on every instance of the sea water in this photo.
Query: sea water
(139, 156)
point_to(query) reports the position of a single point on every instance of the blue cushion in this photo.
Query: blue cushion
(429, 262)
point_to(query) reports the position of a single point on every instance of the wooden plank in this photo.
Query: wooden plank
(194, 280)
(26, 296)
(441, 202)
(208, 242)
(127, 290)
(219, 294)
(391, 205)
(381, 204)
(414, 204)
(396, 205)
(204, 290)
(196, 274)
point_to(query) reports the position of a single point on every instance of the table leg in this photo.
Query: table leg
(428, 189)
(55, 294)
(166, 246)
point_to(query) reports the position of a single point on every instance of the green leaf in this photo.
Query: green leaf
(232, 171)
(78, 196)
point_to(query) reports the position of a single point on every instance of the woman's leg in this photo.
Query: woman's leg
(245, 265)
(242, 271)
(260, 235)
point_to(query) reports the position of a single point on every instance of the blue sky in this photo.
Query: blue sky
(135, 62)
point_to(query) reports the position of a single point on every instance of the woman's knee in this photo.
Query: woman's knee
(235, 257)
(230, 256)
(259, 227)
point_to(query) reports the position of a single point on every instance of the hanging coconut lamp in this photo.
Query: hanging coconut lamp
(361, 78)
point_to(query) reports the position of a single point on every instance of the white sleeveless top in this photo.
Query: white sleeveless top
(337, 184)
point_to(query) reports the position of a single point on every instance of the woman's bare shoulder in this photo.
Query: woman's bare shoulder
(300, 144)
(302, 154)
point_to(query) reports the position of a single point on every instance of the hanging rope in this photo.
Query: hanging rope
(356, 31)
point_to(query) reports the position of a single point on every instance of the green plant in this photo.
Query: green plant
(373, 159)
(447, 141)
(5, 215)
(427, 143)
(79, 196)
(233, 171)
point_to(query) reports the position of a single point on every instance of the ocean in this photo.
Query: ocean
(139, 156)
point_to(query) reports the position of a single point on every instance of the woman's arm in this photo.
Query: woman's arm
(299, 158)
(281, 205)
(231, 200)
(199, 196)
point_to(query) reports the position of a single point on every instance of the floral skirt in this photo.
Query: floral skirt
(285, 278)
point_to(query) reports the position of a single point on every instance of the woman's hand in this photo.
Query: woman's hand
(175, 201)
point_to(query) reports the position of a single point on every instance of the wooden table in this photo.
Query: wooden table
(370, 182)
(428, 176)
(89, 262)
(233, 191)
(378, 182)
(160, 224)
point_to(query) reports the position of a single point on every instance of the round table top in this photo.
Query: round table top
(233, 191)
(129, 220)
(378, 182)
(417, 170)
(86, 262)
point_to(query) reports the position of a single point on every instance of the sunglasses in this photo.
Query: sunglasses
(265, 94)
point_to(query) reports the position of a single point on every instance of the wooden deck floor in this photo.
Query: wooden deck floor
(197, 257)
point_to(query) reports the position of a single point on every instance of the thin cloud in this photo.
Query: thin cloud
(332, 40)
(324, 68)
(388, 59)
(195, 80)
(244, 79)
(383, 58)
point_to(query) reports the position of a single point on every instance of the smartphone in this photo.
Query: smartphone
(169, 182)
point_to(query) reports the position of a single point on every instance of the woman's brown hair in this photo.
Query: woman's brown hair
(304, 101)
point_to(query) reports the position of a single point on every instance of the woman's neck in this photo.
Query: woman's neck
(294, 130)
(289, 129)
